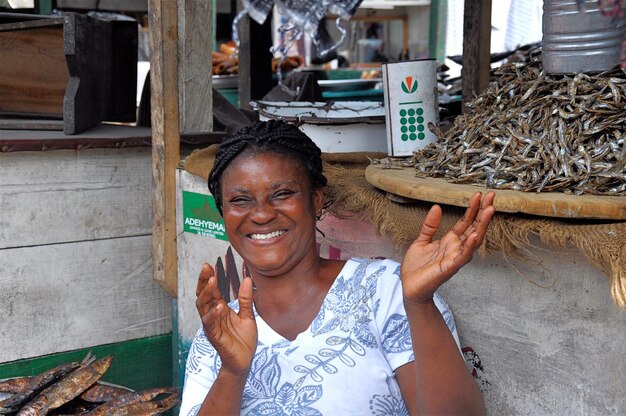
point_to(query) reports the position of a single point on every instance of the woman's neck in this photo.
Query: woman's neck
(289, 303)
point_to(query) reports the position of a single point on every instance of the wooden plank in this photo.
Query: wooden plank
(7, 23)
(30, 124)
(403, 182)
(63, 297)
(476, 48)
(163, 17)
(33, 72)
(137, 364)
(245, 70)
(102, 132)
(103, 78)
(254, 52)
(61, 196)
(196, 43)
(105, 136)
(113, 5)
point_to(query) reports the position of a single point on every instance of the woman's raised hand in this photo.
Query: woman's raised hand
(234, 335)
(429, 263)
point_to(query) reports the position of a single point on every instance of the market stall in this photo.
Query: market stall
(540, 313)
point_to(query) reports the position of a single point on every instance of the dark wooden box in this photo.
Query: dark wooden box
(72, 68)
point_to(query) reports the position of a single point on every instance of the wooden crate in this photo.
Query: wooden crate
(72, 68)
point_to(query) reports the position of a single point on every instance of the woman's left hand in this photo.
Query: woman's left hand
(427, 264)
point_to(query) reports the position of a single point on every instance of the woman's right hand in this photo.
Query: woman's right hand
(234, 335)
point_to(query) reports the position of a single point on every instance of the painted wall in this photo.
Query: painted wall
(542, 335)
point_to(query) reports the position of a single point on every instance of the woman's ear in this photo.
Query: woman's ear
(318, 201)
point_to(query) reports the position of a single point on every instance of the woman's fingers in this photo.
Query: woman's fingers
(477, 217)
(209, 296)
(206, 271)
(430, 225)
(468, 218)
(245, 297)
(484, 216)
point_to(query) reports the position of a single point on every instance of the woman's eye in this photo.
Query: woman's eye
(240, 201)
(283, 194)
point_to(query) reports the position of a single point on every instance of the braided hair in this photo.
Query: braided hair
(273, 136)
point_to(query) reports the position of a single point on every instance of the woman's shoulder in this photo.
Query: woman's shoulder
(372, 269)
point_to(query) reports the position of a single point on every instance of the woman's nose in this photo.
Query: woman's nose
(263, 212)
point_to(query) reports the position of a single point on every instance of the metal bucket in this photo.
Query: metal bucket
(578, 36)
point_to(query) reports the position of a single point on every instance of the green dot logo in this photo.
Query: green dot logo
(409, 85)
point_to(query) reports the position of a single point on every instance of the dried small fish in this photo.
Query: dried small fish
(68, 388)
(534, 132)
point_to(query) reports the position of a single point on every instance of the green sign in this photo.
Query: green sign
(200, 216)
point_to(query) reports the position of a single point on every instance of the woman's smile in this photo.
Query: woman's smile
(267, 236)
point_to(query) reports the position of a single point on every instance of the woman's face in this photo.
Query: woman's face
(269, 212)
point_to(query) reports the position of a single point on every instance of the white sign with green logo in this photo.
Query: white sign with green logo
(200, 216)
(411, 103)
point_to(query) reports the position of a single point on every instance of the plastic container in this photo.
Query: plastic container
(579, 37)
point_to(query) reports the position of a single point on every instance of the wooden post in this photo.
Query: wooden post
(196, 44)
(476, 48)
(254, 52)
(163, 36)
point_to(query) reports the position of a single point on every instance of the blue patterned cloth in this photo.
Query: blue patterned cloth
(343, 364)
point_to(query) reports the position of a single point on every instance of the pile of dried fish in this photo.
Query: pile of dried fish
(534, 132)
(74, 389)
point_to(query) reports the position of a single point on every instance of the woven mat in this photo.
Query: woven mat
(603, 244)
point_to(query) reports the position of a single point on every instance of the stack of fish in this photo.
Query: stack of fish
(534, 132)
(74, 389)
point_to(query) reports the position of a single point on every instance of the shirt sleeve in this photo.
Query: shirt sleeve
(391, 319)
(200, 374)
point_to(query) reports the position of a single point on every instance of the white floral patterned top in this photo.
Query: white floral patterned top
(342, 365)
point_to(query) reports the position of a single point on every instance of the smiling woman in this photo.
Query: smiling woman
(305, 329)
